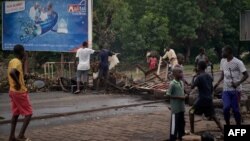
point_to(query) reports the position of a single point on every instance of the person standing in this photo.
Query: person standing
(34, 12)
(83, 55)
(204, 103)
(181, 60)
(104, 66)
(152, 62)
(177, 103)
(201, 57)
(18, 93)
(231, 70)
(171, 56)
(210, 67)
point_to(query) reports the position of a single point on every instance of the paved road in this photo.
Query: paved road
(145, 122)
(140, 123)
(59, 102)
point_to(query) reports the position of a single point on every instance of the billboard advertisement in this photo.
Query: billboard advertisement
(46, 25)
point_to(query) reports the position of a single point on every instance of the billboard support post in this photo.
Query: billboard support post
(62, 65)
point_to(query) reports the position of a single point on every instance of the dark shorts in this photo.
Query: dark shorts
(82, 75)
(208, 111)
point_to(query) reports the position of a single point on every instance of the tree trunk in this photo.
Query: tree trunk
(33, 61)
(187, 54)
(238, 50)
(62, 65)
(218, 52)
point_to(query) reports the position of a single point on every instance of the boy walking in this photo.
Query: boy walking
(20, 104)
(204, 102)
(177, 103)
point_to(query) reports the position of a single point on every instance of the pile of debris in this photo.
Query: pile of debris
(37, 83)
(34, 82)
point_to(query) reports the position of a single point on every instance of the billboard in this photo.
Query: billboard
(47, 25)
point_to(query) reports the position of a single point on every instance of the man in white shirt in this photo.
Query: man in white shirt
(170, 54)
(83, 54)
(231, 70)
(34, 12)
(201, 57)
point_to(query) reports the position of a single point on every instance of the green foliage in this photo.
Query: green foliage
(212, 56)
(111, 20)
(132, 27)
(246, 58)
(185, 18)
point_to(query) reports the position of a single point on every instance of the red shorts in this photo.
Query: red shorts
(20, 103)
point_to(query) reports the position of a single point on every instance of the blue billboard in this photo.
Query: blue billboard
(46, 25)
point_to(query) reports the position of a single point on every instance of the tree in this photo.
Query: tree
(185, 18)
(111, 17)
(210, 32)
(150, 30)
(232, 10)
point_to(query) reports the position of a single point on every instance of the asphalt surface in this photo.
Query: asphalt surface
(53, 103)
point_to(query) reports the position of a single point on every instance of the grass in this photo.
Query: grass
(189, 68)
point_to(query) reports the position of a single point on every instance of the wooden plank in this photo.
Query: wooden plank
(113, 85)
(159, 66)
(140, 68)
(158, 77)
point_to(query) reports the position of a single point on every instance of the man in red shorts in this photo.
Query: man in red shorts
(20, 104)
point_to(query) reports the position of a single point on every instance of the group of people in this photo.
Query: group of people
(18, 92)
(38, 13)
(231, 71)
(178, 59)
(169, 54)
(83, 67)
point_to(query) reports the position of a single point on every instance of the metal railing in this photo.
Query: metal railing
(54, 70)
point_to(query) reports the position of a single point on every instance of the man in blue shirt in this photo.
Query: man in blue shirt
(104, 65)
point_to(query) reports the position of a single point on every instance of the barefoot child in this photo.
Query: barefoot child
(204, 102)
(177, 102)
(20, 104)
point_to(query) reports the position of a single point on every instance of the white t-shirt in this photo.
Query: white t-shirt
(84, 58)
(34, 13)
(237, 68)
(44, 16)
